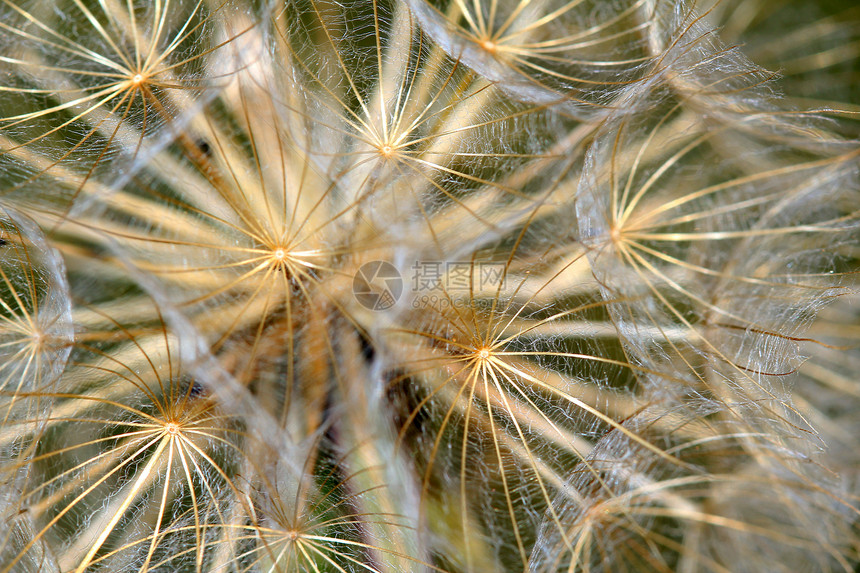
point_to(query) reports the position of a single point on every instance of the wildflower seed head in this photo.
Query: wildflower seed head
(35, 307)
(536, 51)
(449, 285)
(615, 235)
(98, 65)
(489, 46)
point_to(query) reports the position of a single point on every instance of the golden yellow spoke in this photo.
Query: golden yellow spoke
(14, 324)
(86, 492)
(467, 14)
(543, 20)
(570, 442)
(104, 457)
(431, 458)
(159, 15)
(716, 351)
(258, 168)
(50, 499)
(474, 126)
(491, 417)
(153, 62)
(210, 462)
(112, 90)
(265, 281)
(540, 50)
(238, 203)
(229, 286)
(460, 98)
(132, 378)
(643, 221)
(70, 46)
(96, 400)
(180, 242)
(161, 269)
(713, 273)
(163, 69)
(337, 54)
(702, 193)
(660, 328)
(499, 342)
(817, 228)
(586, 408)
(142, 477)
(71, 71)
(488, 369)
(161, 506)
(295, 237)
(686, 292)
(103, 33)
(443, 339)
(26, 321)
(447, 193)
(195, 510)
(300, 544)
(19, 373)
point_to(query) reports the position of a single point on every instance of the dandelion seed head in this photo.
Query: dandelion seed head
(615, 234)
(39, 340)
(552, 412)
(280, 257)
(489, 46)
